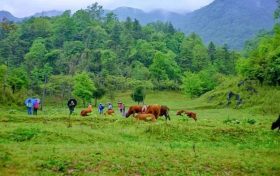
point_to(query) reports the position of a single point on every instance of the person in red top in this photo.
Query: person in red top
(120, 106)
(35, 107)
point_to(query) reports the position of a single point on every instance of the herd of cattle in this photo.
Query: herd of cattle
(150, 112)
(153, 112)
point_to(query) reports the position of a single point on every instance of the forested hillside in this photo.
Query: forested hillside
(230, 22)
(47, 54)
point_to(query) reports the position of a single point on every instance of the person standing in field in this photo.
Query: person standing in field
(120, 106)
(29, 105)
(110, 106)
(35, 107)
(100, 108)
(123, 110)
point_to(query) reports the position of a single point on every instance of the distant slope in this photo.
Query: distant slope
(223, 21)
(231, 21)
(148, 17)
(9, 16)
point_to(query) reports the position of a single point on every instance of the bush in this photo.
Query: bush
(196, 84)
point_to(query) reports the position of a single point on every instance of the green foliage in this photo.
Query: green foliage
(164, 67)
(83, 86)
(263, 63)
(196, 84)
(138, 94)
(120, 54)
(18, 78)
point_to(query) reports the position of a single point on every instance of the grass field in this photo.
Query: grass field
(221, 142)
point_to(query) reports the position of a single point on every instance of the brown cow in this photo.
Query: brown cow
(164, 111)
(180, 112)
(192, 115)
(188, 113)
(85, 112)
(145, 117)
(133, 110)
(109, 112)
(154, 109)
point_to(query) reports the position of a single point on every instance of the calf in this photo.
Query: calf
(188, 113)
(146, 117)
(192, 115)
(86, 111)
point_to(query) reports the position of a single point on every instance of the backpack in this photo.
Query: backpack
(36, 105)
(29, 104)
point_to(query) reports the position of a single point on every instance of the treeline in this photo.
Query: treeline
(47, 56)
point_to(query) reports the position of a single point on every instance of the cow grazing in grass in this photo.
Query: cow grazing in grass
(180, 112)
(164, 111)
(133, 109)
(276, 124)
(192, 115)
(109, 112)
(188, 113)
(146, 117)
(154, 109)
(85, 112)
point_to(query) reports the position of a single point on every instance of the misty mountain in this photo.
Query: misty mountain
(149, 17)
(9, 16)
(231, 21)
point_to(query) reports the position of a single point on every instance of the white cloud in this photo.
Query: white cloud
(22, 8)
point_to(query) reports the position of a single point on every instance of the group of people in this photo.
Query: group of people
(32, 105)
(121, 107)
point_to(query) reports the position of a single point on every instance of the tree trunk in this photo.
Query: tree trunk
(44, 92)
(95, 102)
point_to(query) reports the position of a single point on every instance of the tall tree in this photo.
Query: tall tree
(83, 87)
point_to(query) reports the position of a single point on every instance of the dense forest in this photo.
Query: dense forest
(87, 52)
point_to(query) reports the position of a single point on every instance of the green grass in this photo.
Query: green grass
(221, 142)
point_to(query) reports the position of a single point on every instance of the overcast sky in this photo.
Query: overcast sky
(21, 8)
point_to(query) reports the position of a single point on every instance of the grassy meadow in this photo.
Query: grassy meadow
(224, 141)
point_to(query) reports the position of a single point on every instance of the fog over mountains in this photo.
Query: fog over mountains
(223, 21)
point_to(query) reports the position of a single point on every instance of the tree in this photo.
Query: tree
(36, 54)
(83, 87)
(97, 94)
(212, 52)
(164, 67)
(3, 78)
(96, 11)
(18, 78)
(138, 94)
(277, 11)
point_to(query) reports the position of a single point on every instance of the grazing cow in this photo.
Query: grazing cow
(133, 109)
(154, 109)
(145, 117)
(180, 112)
(86, 111)
(109, 112)
(188, 113)
(164, 111)
(192, 115)
(276, 124)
